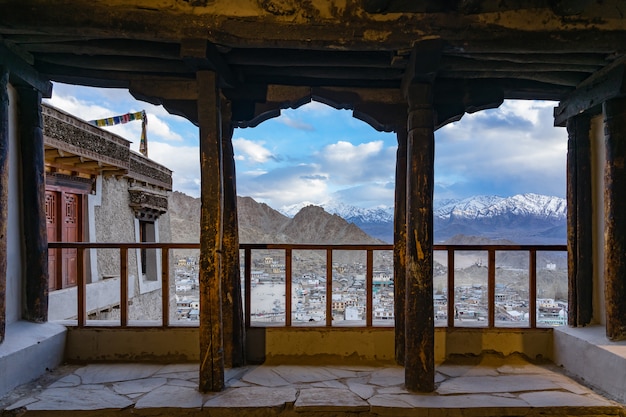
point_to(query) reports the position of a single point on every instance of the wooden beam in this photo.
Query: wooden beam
(21, 73)
(199, 54)
(104, 47)
(399, 244)
(4, 194)
(232, 306)
(604, 85)
(33, 197)
(211, 195)
(308, 58)
(163, 88)
(115, 63)
(579, 222)
(615, 218)
(419, 360)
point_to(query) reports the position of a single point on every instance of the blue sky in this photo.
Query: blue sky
(316, 153)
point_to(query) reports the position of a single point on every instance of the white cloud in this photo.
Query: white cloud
(247, 150)
(184, 161)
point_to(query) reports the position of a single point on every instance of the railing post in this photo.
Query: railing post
(81, 290)
(329, 287)
(247, 276)
(491, 287)
(165, 286)
(123, 287)
(532, 288)
(451, 301)
(369, 285)
(287, 287)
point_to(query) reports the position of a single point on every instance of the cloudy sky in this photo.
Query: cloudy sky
(317, 154)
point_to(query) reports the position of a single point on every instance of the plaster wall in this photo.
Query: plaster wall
(14, 230)
(598, 151)
(300, 345)
(29, 349)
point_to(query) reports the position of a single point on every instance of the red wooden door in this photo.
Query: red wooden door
(52, 226)
(70, 231)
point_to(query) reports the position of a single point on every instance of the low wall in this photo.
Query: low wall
(299, 345)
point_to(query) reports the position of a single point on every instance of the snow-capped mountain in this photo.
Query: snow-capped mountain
(478, 207)
(523, 218)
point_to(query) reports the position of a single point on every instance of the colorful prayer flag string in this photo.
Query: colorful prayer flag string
(125, 118)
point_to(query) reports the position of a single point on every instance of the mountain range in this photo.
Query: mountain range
(523, 218)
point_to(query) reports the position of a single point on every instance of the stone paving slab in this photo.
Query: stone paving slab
(485, 387)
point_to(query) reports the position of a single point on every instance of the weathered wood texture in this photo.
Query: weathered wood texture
(232, 307)
(419, 361)
(579, 226)
(399, 245)
(211, 191)
(4, 193)
(615, 218)
(33, 197)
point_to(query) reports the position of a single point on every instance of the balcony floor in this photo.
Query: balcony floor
(487, 386)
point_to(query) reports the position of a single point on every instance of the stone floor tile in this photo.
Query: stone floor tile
(489, 384)
(387, 377)
(103, 373)
(344, 373)
(466, 401)
(182, 383)
(329, 400)
(523, 368)
(398, 389)
(362, 390)
(265, 377)
(251, 397)
(333, 383)
(303, 374)
(168, 397)
(439, 377)
(391, 404)
(179, 367)
(559, 398)
(85, 397)
(236, 383)
(67, 381)
(454, 371)
(21, 403)
(138, 385)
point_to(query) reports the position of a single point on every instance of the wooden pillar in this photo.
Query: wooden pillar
(615, 218)
(33, 199)
(4, 193)
(232, 309)
(419, 361)
(399, 244)
(211, 331)
(579, 225)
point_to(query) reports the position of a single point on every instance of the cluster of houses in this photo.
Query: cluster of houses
(349, 298)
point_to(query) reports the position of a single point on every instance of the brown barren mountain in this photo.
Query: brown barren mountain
(259, 223)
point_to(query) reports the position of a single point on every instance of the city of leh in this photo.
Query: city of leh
(349, 295)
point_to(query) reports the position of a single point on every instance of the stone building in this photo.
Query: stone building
(98, 190)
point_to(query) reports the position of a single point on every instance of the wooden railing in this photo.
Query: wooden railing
(288, 249)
